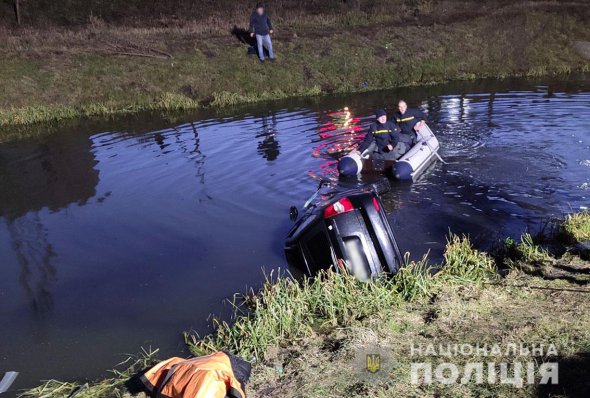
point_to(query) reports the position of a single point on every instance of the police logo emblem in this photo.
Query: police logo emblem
(373, 363)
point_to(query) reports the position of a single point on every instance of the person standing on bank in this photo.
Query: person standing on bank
(261, 27)
(408, 120)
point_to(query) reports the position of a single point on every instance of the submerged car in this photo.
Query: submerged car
(348, 230)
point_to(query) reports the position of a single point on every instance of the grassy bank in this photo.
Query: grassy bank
(101, 67)
(309, 339)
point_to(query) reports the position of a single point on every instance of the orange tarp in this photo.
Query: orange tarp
(210, 376)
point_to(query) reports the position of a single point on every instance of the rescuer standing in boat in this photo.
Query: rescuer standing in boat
(382, 138)
(261, 27)
(408, 120)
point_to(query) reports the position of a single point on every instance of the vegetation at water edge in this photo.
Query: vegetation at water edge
(294, 330)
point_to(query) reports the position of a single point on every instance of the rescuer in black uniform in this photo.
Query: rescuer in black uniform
(408, 120)
(382, 138)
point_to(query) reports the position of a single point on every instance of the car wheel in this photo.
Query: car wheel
(381, 186)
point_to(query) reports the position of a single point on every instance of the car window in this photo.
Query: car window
(318, 247)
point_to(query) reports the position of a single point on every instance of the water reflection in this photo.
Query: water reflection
(187, 212)
(198, 156)
(35, 256)
(51, 174)
(160, 140)
(339, 133)
(268, 146)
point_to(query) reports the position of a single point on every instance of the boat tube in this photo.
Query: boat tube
(414, 162)
(351, 164)
(408, 167)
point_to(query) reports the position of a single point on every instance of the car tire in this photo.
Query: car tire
(381, 186)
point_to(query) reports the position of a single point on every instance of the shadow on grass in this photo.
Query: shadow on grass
(244, 37)
(573, 378)
(134, 385)
(551, 254)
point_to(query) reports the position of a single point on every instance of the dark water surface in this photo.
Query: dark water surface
(121, 234)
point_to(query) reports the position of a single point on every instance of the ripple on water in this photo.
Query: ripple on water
(210, 198)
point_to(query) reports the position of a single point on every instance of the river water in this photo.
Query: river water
(120, 234)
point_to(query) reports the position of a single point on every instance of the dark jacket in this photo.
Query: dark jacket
(260, 24)
(382, 135)
(406, 123)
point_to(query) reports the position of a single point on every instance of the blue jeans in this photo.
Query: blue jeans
(260, 40)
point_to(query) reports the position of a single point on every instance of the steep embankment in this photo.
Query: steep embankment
(103, 68)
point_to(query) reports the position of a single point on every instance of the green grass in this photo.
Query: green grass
(465, 263)
(286, 310)
(37, 114)
(525, 252)
(112, 387)
(577, 226)
(55, 74)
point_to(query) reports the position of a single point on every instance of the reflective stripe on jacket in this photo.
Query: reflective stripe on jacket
(382, 135)
(406, 123)
(211, 376)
